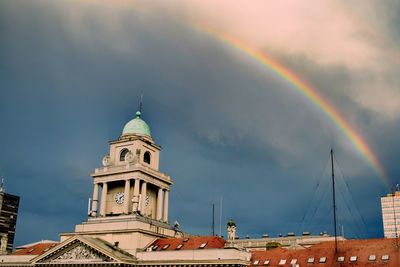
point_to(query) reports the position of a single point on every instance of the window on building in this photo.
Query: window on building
(123, 154)
(165, 246)
(310, 260)
(179, 246)
(322, 260)
(293, 261)
(203, 245)
(256, 262)
(266, 262)
(282, 262)
(146, 157)
(353, 258)
(340, 259)
(372, 257)
(154, 247)
(385, 257)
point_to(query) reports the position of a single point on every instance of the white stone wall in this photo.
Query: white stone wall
(391, 215)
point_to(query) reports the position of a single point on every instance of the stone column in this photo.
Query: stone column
(159, 204)
(126, 195)
(135, 199)
(143, 198)
(95, 199)
(165, 217)
(103, 200)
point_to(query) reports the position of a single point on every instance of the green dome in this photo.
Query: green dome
(137, 126)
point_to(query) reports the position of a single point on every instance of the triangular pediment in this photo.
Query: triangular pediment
(76, 252)
(83, 250)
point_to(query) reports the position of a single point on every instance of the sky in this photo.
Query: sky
(232, 130)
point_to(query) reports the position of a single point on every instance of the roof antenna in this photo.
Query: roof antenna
(213, 220)
(141, 103)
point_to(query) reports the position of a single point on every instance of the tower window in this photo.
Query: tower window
(123, 154)
(146, 157)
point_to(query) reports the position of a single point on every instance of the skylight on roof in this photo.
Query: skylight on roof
(340, 259)
(179, 246)
(293, 261)
(266, 262)
(310, 260)
(203, 245)
(322, 260)
(372, 257)
(256, 262)
(186, 240)
(165, 246)
(385, 257)
(282, 262)
(353, 258)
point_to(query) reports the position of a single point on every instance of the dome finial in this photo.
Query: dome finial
(138, 114)
(140, 103)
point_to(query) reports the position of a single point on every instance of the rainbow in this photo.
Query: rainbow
(307, 91)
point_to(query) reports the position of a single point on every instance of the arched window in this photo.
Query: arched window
(146, 157)
(123, 154)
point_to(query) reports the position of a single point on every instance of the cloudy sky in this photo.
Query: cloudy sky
(71, 75)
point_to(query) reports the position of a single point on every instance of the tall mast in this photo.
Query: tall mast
(213, 220)
(334, 201)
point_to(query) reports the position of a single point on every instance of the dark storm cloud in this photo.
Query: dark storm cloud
(71, 76)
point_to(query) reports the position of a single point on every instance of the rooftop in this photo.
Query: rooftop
(374, 252)
(192, 243)
(36, 248)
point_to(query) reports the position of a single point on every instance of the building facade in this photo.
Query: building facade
(8, 221)
(391, 215)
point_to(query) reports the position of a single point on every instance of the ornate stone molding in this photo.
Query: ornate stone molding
(80, 252)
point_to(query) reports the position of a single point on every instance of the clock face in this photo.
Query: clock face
(106, 160)
(119, 197)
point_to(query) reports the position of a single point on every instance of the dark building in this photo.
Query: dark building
(8, 221)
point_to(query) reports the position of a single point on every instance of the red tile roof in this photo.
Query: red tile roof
(37, 249)
(202, 242)
(348, 248)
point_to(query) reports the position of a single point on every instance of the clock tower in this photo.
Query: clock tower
(130, 195)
